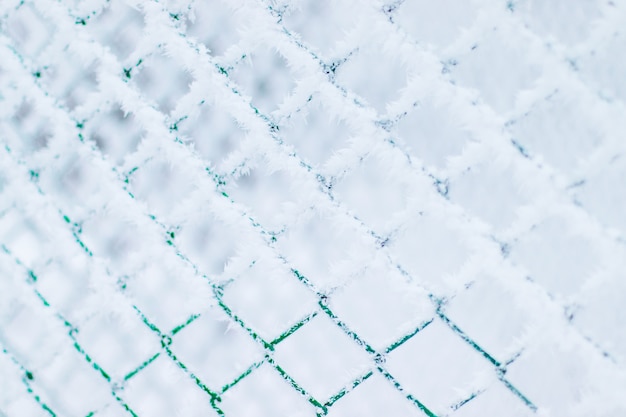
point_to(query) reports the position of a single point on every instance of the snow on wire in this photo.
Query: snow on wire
(263, 207)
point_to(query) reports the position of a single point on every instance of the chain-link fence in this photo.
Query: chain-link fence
(300, 208)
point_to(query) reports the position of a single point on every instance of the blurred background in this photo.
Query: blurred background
(312, 207)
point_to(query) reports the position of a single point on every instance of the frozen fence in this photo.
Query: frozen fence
(308, 208)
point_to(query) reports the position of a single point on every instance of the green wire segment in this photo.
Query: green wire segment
(293, 329)
(27, 380)
(323, 307)
(348, 389)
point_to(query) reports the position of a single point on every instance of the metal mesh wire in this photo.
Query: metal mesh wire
(255, 208)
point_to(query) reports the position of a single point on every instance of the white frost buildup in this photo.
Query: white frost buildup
(310, 208)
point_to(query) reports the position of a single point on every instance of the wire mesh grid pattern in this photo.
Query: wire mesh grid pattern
(311, 208)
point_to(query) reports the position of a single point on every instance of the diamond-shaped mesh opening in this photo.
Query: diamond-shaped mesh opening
(381, 305)
(430, 250)
(120, 27)
(213, 134)
(432, 134)
(214, 23)
(160, 186)
(23, 236)
(316, 133)
(215, 349)
(265, 77)
(489, 191)
(268, 194)
(270, 299)
(208, 243)
(563, 245)
(443, 369)
(161, 80)
(32, 130)
(321, 358)
(74, 180)
(381, 83)
(115, 132)
(376, 197)
(329, 264)
(116, 240)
